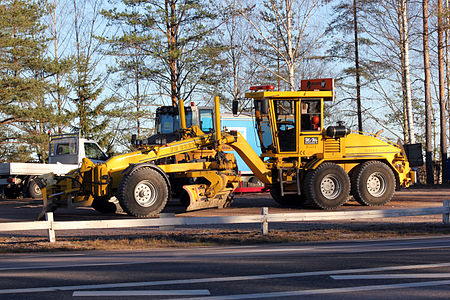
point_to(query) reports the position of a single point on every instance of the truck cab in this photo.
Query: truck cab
(71, 149)
(66, 152)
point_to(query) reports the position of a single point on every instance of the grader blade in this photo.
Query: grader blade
(198, 200)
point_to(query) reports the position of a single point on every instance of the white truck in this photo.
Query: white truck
(66, 154)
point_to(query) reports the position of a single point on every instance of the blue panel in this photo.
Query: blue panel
(246, 127)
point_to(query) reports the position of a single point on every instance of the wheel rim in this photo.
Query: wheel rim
(37, 190)
(145, 193)
(331, 187)
(376, 184)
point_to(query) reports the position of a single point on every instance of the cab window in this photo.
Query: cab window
(92, 151)
(285, 112)
(311, 115)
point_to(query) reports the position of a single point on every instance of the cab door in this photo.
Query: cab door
(285, 115)
(311, 123)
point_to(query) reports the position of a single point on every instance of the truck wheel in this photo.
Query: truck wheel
(102, 205)
(328, 186)
(33, 190)
(286, 200)
(373, 183)
(143, 193)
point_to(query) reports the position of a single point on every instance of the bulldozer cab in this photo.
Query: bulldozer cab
(168, 118)
(291, 123)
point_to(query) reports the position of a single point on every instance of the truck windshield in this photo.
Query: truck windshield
(92, 151)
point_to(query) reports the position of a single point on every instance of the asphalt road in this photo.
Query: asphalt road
(393, 269)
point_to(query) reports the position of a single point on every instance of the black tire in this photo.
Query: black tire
(33, 190)
(328, 186)
(102, 205)
(373, 183)
(289, 200)
(143, 193)
(12, 193)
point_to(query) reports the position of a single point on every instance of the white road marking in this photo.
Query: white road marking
(69, 266)
(217, 279)
(335, 249)
(326, 291)
(321, 249)
(392, 276)
(141, 293)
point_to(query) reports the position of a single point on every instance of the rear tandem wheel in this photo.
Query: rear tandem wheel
(328, 186)
(373, 183)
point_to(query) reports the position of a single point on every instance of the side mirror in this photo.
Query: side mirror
(235, 107)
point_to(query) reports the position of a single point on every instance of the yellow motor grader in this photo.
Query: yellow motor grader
(301, 162)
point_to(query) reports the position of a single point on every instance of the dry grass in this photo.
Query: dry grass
(211, 237)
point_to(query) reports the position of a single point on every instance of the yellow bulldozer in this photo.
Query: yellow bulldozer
(301, 162)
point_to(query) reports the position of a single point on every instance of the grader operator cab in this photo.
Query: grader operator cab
(322, 166)
(300, 162)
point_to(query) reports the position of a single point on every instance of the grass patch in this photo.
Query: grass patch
(219, 237)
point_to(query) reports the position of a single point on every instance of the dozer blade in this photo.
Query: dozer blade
(198, 200)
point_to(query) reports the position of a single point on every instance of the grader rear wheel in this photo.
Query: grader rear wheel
(143, 193)
(373, 183)
(328, 186)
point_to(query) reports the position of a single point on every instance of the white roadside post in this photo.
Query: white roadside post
(446, 214)
(165, 216)
(50, 231)
(264, 221)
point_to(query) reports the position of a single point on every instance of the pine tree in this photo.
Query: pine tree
(25, 115)
(92, 110)
(176, 39)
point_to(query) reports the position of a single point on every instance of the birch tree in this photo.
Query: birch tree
(427, 84)
(406, 76)
(442, 104)
(284, 27)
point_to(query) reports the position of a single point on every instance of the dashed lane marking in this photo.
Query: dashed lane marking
(326, 291)
(392, 276)
(141, 293)
(218, 279)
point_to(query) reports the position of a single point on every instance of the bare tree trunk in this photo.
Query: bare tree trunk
(172, 48)
(447, 61)
(442, 107)
(407, 75)
(357, 70)
(138, 92)
(405, 125)
(428, 117)
(59, 104)
(290, 50)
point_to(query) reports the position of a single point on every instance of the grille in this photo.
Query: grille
(332, 146)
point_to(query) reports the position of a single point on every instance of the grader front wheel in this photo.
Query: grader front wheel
(143, 193)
